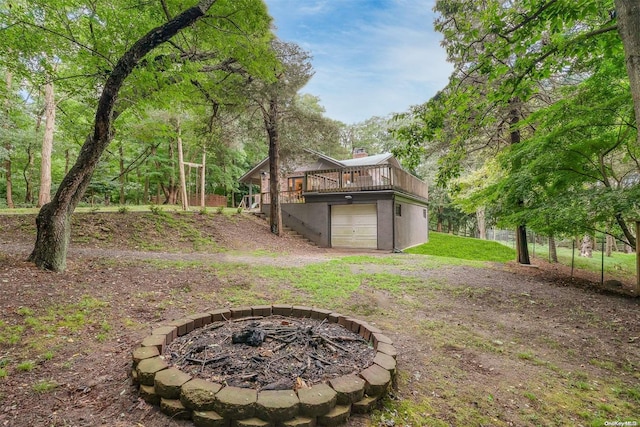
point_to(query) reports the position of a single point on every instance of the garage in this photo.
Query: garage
(354, 226)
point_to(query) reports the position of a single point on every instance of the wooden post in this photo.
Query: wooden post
(202, 176)
(637, 258)
(183, 181)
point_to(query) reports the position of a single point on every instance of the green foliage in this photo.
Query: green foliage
(537, 124)
(86, 41)
(464, 247)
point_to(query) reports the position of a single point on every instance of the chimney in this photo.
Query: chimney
(359, 153)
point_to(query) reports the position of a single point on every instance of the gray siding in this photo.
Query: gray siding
(412, 226)
(385, 225)
(313, 218)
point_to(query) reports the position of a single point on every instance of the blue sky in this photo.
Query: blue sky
(371, 57)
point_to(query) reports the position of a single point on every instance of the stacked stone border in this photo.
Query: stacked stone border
(210, 404)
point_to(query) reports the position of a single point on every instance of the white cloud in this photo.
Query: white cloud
(370, 58)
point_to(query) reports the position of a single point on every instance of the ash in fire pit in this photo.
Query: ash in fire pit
(273, 353)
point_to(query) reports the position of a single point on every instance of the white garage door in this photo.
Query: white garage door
(354, 226)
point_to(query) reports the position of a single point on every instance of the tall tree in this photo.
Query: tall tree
(275, 101)
(44, 194)
(578, 171)
(239, 20)
(7, 144)
(512, 53)
(628, 13)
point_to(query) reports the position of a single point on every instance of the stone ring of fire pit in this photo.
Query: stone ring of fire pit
(210, 404)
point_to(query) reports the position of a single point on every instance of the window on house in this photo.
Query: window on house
(424, 213)
(398, 210)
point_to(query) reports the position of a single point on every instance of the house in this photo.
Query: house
(366, 202)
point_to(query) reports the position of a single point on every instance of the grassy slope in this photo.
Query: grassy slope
(618, 265)
(447, 245)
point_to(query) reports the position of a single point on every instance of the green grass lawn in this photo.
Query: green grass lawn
(618, 264)
(447, 245)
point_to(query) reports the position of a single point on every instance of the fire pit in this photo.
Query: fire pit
(262, 365)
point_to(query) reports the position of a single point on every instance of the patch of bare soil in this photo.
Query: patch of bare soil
(472, 342)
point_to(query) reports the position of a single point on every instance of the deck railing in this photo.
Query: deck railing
(365, 178)
(285, 197)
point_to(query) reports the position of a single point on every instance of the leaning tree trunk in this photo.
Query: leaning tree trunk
(271, 124)
(54, 219)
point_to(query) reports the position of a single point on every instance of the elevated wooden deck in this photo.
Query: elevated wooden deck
(365, 178)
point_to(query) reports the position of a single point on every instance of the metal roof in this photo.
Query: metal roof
(376, 159)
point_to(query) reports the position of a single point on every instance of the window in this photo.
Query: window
(398, 209)
(424, 213)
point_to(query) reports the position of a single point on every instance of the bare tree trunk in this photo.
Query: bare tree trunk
(7, 146)
(586, 247)
(553, 252)
(54, 220)
(482, 225)
(628, 16)
(67, 160)
(522, 246)
(122, 177)
(439, 216)
(44, 195)
(28, 176)
(145, 191)
(271, 123)
(608, 245)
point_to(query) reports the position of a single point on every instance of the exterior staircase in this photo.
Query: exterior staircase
(286, 230)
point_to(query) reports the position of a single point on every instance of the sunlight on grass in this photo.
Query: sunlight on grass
(446, 245)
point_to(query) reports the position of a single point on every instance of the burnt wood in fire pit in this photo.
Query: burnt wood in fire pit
(293, 347)
(273, 353)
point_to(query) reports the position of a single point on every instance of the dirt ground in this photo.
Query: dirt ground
(497, 345)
